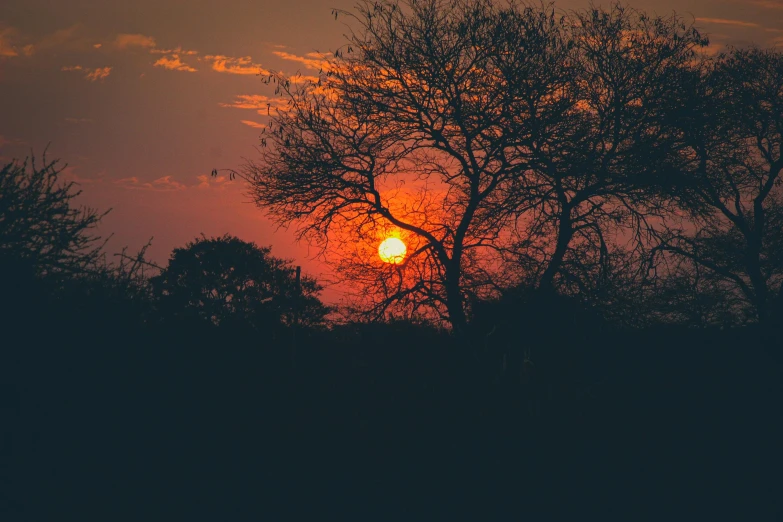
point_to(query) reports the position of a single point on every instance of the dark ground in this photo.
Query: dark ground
(385, 422)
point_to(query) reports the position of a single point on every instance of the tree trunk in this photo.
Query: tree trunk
(760, 290)
(454, 302)
(564, 234)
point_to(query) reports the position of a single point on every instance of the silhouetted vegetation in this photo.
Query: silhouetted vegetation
(587, 323)
(227, 281)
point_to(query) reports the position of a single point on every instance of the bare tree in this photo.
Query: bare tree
(735, 155)
(602, 171)
(424, 124)
(504, 143)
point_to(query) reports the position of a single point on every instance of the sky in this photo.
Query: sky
(142, 99)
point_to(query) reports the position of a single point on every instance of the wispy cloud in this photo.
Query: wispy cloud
(314, 61)
(71, 38)
(219, 182)
(724, 21)
(243, 65)
(93, 75)
(768, 4)
(173, 63)
(125, 41)
(254, 124)
(164, 184)
(178, 50)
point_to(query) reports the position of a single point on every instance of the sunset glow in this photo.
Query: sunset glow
(392, 250)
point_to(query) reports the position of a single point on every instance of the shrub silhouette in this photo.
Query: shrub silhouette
(225, 281)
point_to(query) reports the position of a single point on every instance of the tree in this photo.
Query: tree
(41, 231)
(476, 132)
(734, 158)
(415, 129)
(227, 281)
(603, 169)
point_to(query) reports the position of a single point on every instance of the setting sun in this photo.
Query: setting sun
(392, 250)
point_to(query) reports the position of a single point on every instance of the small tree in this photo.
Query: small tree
(225, 280)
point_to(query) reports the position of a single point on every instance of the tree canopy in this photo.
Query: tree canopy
(227, 281)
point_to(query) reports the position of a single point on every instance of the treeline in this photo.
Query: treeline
(131, 391)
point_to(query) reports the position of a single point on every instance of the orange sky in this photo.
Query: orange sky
(144, 98)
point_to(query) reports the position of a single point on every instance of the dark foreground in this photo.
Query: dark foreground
(387, 423)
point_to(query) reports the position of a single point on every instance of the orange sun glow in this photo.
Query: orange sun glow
(392, 250)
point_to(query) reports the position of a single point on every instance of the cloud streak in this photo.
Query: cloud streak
(177, 50)
(724, 21)
(768, 4)
(163, 184)
(314, 61)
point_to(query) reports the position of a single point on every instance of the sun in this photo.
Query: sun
(392, 250)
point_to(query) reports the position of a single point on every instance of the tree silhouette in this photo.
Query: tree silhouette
(600, 170)
(226, 281)
(735, 158)
(485, 135)
(41, 231)
(423, 95)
